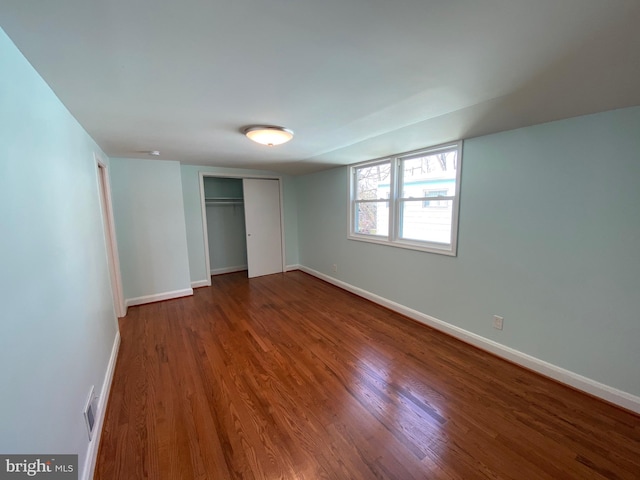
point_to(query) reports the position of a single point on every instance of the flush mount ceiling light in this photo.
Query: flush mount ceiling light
(268, 135)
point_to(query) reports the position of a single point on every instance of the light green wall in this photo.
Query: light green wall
(193, 215)
(290, 220)
(548, 238)
(150, 226)
(58, 321)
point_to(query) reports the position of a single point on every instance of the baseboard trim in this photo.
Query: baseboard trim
(222, 271)
(291, 268)
(94, 444)
(130, 302)
(201, 283)
(605, 392)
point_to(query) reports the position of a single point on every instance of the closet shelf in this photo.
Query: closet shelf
(223, 201)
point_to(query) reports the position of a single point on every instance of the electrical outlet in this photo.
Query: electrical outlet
(497, 322)
(334, 268)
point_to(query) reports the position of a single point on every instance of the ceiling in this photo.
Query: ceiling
(355, 79)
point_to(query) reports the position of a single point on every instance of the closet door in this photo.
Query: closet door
(262, 220)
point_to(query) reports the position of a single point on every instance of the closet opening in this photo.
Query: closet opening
(226, 230)
(243, 226)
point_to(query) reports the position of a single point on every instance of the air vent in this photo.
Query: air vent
(90, 411)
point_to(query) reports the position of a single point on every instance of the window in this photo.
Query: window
(408, 200)
(371, 197)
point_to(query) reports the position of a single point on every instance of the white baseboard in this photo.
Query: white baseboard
(291, 268)
(130, 302)
(610, 394)
(220, 271)
(201, 283)
(94, 444)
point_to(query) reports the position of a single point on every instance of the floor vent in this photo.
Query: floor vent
(90, 411)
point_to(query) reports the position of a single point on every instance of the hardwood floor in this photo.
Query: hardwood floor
(287, 377)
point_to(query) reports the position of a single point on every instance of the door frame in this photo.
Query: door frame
(106, 213)
(203, 209)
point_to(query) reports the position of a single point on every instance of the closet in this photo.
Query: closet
(243, 225)
(224, 202)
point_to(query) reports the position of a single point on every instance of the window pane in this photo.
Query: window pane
(372, 218)
(426, 224)
(431, 173)
(373, 182)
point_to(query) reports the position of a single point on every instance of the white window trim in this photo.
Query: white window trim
(393, 239)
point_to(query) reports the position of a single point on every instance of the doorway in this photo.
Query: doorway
(226, 230)
(251, 207)
(110, 237)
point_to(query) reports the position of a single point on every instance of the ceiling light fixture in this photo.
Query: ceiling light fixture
(153, 153)
(268, 135)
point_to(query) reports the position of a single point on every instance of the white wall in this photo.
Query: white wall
(150, 226)
(548, 238)
(58, 320)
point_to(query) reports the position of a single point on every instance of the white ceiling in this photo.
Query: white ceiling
(355, 79)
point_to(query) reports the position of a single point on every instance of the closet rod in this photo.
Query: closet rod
(224, 201)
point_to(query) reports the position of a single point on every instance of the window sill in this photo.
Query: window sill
(448, 250)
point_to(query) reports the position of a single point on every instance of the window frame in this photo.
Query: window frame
(433, 198)
(395, 199)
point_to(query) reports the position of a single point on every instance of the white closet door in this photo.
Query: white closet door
(262, 219)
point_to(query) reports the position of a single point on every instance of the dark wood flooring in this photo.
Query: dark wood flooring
(287, 377)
